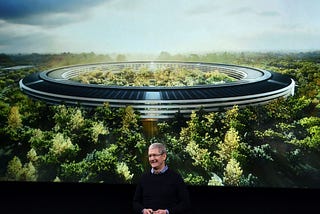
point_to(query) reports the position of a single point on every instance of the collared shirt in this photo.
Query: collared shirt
(165, 168)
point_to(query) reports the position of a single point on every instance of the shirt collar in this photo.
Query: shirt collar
(165, 168)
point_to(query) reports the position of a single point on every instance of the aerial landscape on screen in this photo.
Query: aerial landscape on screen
(231, 88)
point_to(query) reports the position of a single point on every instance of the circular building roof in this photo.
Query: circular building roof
(252, 87)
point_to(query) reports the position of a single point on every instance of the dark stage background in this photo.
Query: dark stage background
(28, 197)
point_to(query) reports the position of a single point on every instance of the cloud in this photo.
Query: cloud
(250, 11)
(269, 13)
(153, 26)
(22, 38)
(49, 12)
(205, 9)
(241, 11)
(25, 44)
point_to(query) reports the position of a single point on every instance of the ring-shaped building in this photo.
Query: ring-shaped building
(252, 87)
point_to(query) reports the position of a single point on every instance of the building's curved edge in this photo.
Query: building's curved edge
(157, 107)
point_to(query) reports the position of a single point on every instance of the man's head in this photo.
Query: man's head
(157, 154)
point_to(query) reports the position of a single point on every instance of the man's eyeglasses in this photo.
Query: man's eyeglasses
(154, 155)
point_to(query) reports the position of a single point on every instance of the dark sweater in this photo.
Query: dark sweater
(162, 191)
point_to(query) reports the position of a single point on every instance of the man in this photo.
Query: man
(161, 190)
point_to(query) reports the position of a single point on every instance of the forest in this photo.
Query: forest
(272, 145)
(160, 77)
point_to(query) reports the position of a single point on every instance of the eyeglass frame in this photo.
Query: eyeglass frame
(155, 155)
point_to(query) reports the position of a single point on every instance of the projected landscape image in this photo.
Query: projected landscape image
(235, 106)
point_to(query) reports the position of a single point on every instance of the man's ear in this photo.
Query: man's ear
(165, 156)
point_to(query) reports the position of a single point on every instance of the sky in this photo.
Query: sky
(153, 26)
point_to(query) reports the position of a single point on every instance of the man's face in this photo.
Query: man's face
(156, 159)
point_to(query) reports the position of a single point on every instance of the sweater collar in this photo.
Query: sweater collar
(161, 172)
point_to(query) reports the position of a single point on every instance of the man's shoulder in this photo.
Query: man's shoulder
(146, 174)
(174, 173)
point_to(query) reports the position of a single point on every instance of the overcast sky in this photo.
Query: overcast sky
(152, 26)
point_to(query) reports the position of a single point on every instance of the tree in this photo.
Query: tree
(121, 58)
(194, 58)
(312, 124)
(14, 118)
(30, 172)
(130, 140)
(123, 171)
(129, 119)
(192, 179)
(68, 119)
(164, 56)
(16, 172)
(62, 148)
(32, 155)
(98, 166)
(97, 129)
(200, 156)
(4, 112)
(196, 129)
(229, 147)
(232, 118)
(232, 174)
(14, 169)
(40, 141)
(107, 115)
